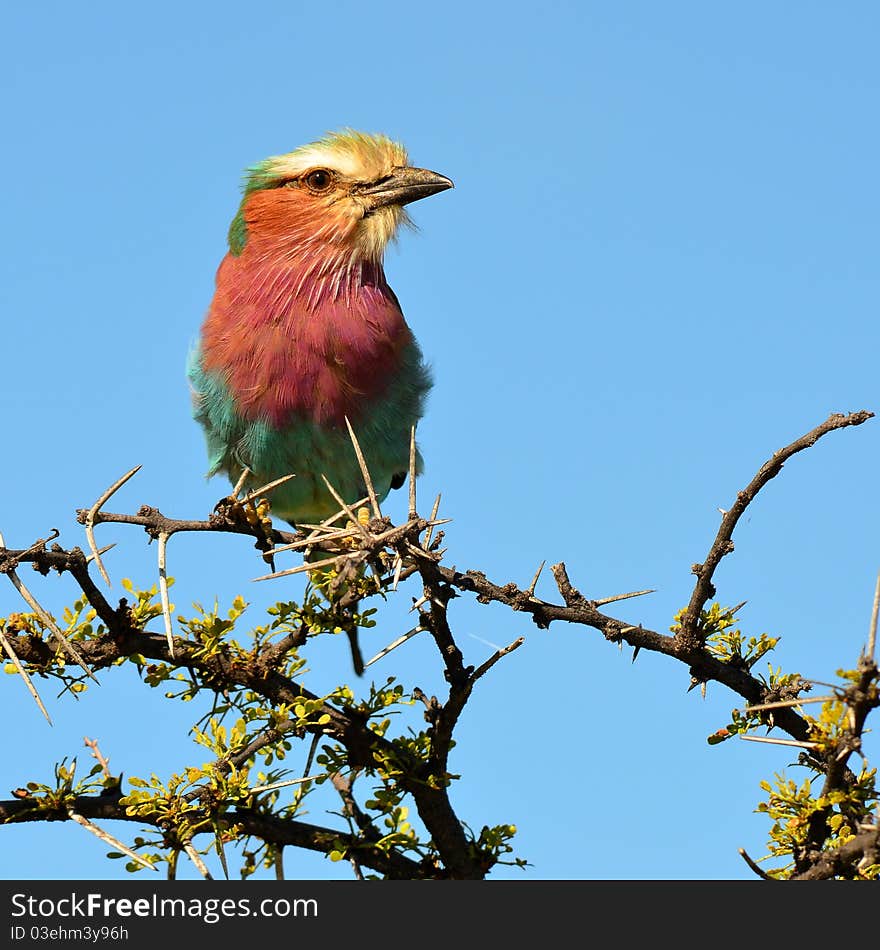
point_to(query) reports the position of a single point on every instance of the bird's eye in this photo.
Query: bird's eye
(319, 180)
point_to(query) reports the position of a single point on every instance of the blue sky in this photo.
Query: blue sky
(658, 266)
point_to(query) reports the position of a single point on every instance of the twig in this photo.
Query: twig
(92, 514)
(396, 532)
(97, 754)
(485, 667)
(23, 673)
(570, 594)
(153, 521)
(351, 810)
(163, 592)
(753, 866)
(368, 482)
(723, 545)
(109, 839)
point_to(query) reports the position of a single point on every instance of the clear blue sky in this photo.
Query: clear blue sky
(658, 266)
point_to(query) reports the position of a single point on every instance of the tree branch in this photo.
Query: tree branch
(723, 543)
(278, 831)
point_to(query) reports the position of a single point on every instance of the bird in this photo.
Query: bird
(304, 336)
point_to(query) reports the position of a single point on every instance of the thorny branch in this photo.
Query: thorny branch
(280, 831)
(723, 543)
(358, 538)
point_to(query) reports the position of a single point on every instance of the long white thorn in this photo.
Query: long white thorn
(333, 518)
(530, 590)
(23, 673)
(102, 550)
(433, 517)
(615, 597)
(93, 513)
(163, 592)
(872, 632)
(109, 839)
(771, 741)
(269, 486)
(398, 567)
(368, 482)
(352, 516)
(196, 859)
(291, 781)
(240, 483)
(315, 538)
(32, 602)
(412, 471)
(789, 703)
(394, 645)
(312, 566)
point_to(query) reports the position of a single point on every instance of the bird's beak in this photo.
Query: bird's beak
(402, 186)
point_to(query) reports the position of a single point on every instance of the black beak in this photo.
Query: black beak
(402, 186)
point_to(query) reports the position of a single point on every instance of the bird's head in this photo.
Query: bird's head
(341, 198)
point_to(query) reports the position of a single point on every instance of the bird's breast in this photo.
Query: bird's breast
(292, 344)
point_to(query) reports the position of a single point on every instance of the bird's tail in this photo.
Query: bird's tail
(356, 658)
(350, 627)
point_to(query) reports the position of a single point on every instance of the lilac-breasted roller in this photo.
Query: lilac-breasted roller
(303, 330)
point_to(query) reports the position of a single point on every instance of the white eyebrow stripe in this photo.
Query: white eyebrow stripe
(314, 157)
(354, 155)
